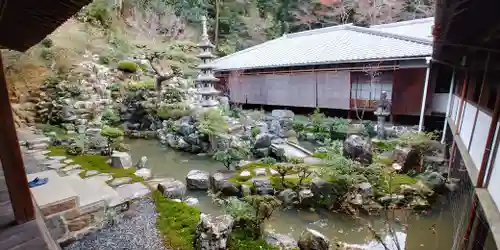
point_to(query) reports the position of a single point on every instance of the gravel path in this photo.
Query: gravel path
(135, 231)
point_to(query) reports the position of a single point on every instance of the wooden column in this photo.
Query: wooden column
(11, 158)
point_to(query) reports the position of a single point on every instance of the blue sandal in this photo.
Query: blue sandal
(37, 182)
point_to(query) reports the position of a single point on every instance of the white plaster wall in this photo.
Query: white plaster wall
(467, 121)
(478, 143)
(494, 183)
(439, 102)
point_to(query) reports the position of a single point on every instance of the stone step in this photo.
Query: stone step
(91, 195)
(38, 146)
(38, 140)
(56, 195)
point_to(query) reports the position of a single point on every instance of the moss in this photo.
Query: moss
(176, 222)
(145, 84)
(128, 66)
(320, 155)
(240, 241)
(95, 162)
(394, 182)
(290, 182)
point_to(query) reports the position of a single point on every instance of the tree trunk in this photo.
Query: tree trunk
(217, 13)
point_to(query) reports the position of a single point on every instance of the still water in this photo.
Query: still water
(432, 231)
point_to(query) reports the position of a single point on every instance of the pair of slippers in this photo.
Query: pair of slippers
(38, 182)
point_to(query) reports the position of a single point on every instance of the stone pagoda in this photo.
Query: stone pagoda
(206, 79)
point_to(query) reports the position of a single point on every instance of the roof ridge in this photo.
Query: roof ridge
(318, 31)
(403, 23)
(247, 49)
(377, 32)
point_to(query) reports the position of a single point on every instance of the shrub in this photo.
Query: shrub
(176, 222)
(46, 54)
(268, 160)
(255, 131)
(110, 117)
(128, 66)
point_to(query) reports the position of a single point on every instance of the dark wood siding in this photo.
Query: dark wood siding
(408, 85)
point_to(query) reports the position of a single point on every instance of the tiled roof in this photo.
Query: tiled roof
(331, 45)
(421, 28)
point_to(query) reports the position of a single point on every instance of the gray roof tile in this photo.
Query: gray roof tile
(421, 28)
(336, 44)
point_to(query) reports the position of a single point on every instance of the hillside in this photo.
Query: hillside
(113, 30)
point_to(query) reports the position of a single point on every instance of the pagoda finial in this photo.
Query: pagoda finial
(204, 26)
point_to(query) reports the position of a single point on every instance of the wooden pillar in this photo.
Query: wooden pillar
(11, 158)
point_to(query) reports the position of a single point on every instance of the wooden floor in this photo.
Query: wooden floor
(32, 235)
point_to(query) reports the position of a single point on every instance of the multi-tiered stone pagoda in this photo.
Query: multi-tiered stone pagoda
(206, 79)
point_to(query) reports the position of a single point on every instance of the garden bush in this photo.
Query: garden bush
(128, 66)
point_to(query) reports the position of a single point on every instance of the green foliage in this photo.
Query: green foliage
(240, 241)
(369, 129)
(255, 131)
(176, 222)
(288, 182)
(173, 111)
(97, 13)
(423, 141)
(211, 122)
(128, 66)
(268, 160)
(47, 54)
(231, 154)
(283, 170)
(95, 162)
(110, 117)
(111, 132)
(300, 122)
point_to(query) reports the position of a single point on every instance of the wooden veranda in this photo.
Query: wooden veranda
(22, 25)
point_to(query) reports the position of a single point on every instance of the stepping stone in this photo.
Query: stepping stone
(68, 161)
(50, 162)
(153, 183)
(56, 166)
(101, 177)
(273, 171)
(260, 172)
(57, 158)
(132, 191)
(71, 167)
(120, 181)
(92, 172)
(75, 172)
(39, 146)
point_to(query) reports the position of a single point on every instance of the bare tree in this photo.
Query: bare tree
(160, 76)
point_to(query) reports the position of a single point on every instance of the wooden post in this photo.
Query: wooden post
(12, 160)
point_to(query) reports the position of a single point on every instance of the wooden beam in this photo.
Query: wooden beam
(12, 160)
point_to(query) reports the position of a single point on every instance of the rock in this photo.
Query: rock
(356, 148)
(408, 158)
(313, 240)
(356, 199)
(242, 163)
(172, 189)
(144, 173)
(262, 140)
(121, 160)
(212, 233)
(198, 180)
(323, 191)
(92, 172)
(306, 197)
(288, 197)
(120, 181)
(263, 187)
(282, 114)
(419, 203)
(245, 190)
(434, 180)
(273, 172)
(128, 192)
(260, 172)
(365, 189)
(218, 178)
(191, 201)
(282, 241)
(245, 173)
(142, 163)
(229, 189)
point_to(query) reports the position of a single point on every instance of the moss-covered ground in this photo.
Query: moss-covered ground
(95, 162)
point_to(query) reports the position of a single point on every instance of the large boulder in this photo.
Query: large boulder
(219, 182)
(324, 192)
(282, 241)
(288, 197)
(142, 163)
(408, 158)
(172, 189)
(121, 160)
(313, 240)
(262, 140)
(212, 233)
(198, 180)
(359, 149)
(263, 187)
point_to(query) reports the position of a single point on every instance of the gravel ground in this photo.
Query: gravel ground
(135, 231)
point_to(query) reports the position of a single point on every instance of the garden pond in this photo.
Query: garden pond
(432, 230)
